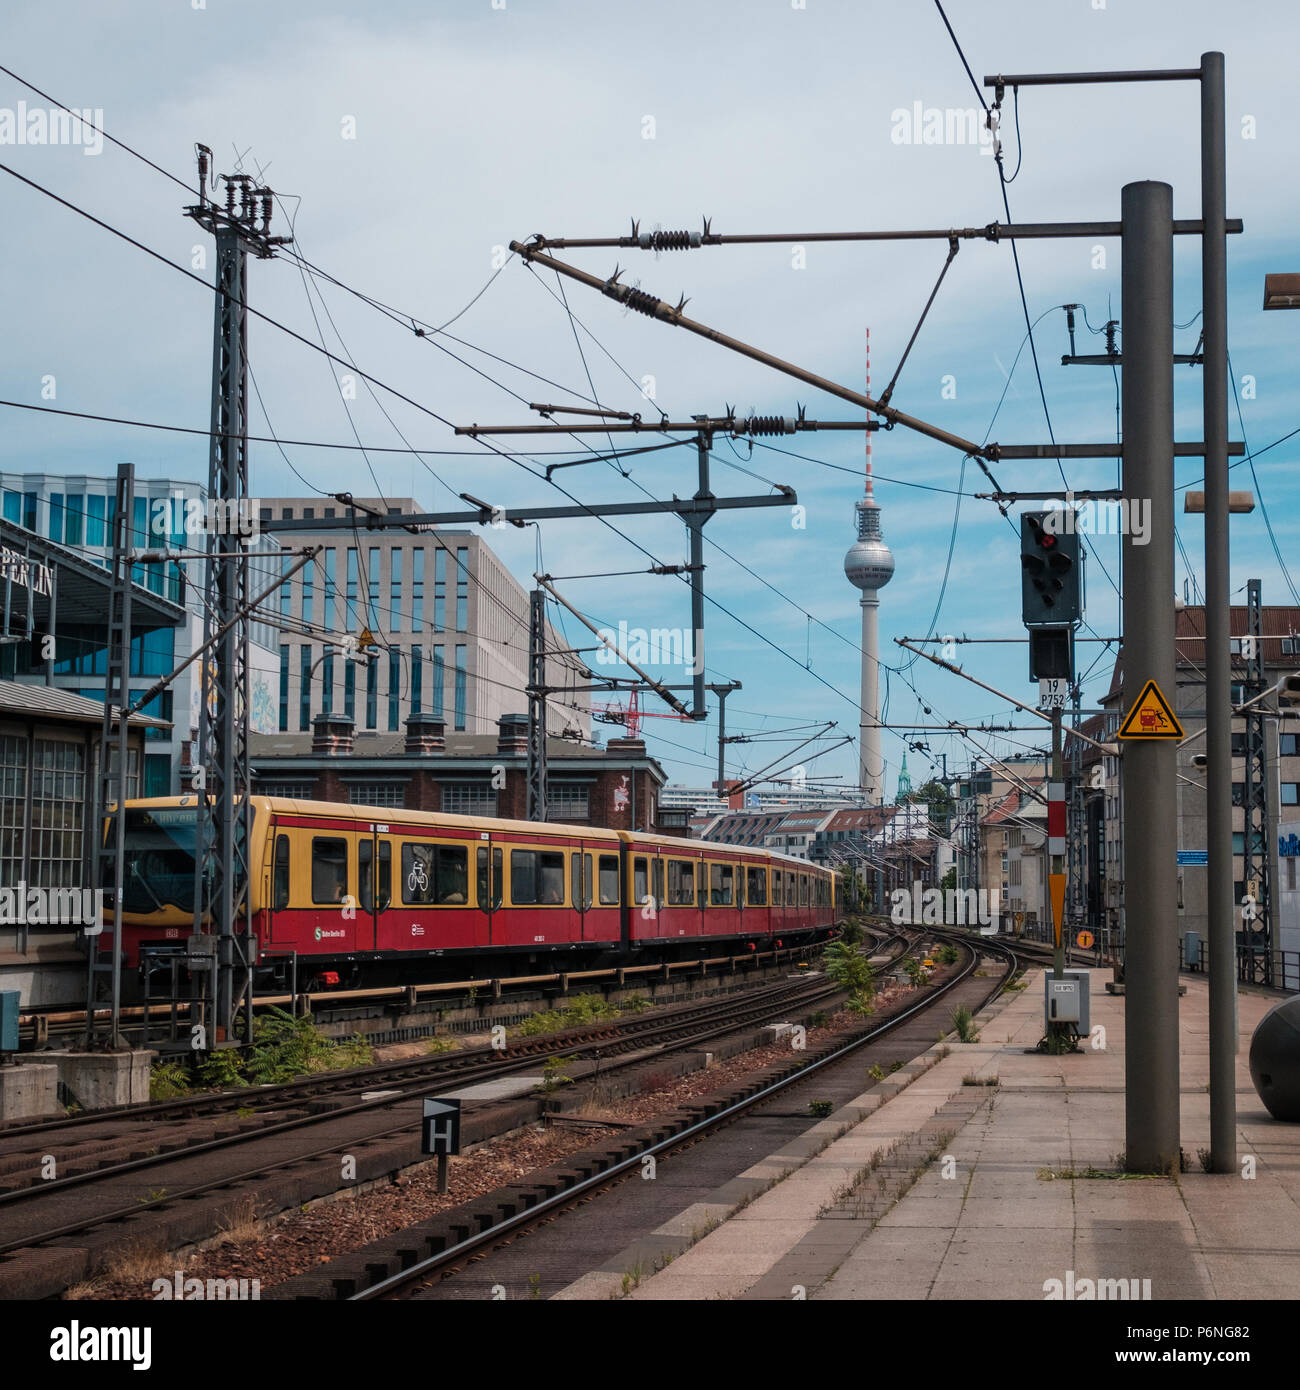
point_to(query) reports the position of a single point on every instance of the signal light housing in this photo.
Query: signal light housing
(1051, 570)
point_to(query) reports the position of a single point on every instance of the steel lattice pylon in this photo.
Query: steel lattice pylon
(222, 903)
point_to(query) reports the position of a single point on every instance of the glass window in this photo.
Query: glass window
(329, 616)
(351, 596)
(349, 689)
(681, 883)
(756, 886)
(803, 890)
(73, 510)
(439, 588)
(778, 888)
(56, 516)
(575, 879)
(304, 688)
(657, 879)
(13, 806)
(377, 793)
(329, 870)
(566, 802)
(280, 897)
(284, 689)
(536, 877)
(372, 692)
(394, 686)
(435, 703)
(462, 587)
(588, 886)
(609, 896)
(96, 509)
(372, 587)
(394, 590)
(469, 798)
(417, 679)
(720, 884)
(417, 588)
(435, 874)
(327, 681)
(460, 687)
(640, 880)
(1290, 793)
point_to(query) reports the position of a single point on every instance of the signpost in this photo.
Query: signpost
(1052, 694)
(440, 1134)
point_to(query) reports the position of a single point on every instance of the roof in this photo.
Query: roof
(265, 750)
(1005, 808)
(81, 587)
(861, 818)
(49, 702)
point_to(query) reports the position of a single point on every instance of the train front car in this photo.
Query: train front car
(157, 888)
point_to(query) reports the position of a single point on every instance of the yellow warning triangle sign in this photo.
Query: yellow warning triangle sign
(1151, 716)
(366, 638)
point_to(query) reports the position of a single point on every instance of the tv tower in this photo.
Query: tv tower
(869, 566)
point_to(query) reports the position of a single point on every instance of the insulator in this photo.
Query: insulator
(640, 301)
(769, 424)
(668, 241)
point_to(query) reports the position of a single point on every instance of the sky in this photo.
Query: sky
(408, 144)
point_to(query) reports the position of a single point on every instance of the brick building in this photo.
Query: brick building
(428, 769)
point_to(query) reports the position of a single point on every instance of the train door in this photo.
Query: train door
(488, 878)
(374, 887)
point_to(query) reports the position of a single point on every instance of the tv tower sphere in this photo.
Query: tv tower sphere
(869, 563)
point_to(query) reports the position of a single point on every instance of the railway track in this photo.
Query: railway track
(106, 1191)
(407, 1272)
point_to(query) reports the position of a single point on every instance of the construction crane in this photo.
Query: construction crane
(631, 715)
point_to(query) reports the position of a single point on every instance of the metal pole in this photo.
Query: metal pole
(1220, 913)
(695, 524)
(1056, 862)
(1150, 822)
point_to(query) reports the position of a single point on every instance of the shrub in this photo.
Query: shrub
(167, 1080)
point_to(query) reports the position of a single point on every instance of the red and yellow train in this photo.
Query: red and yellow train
(362, 892)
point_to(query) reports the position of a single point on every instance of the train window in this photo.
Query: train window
(740, 886)
(329, 870)
(435, 874)
(640, 880)
(609, 896)
(657, 872)
(791, 890)
(778, 889)
(498, 878)
(588, 882)
(720, 884)
(482, 877)
(384, 879)
(365, 867)
(803, 890)
(536, 877)
(681, 883)
(575, 879)
(756, 887)
(280, 895)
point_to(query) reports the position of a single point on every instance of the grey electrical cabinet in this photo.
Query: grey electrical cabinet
(1068, 1000)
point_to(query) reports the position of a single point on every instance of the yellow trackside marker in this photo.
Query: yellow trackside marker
(1056, 887)
(1084, 940)
(1152, 716)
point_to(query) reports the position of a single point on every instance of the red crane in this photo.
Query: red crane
(631, 715)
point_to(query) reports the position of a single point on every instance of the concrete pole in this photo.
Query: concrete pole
(872, 772)
(1221, 926)
(1150, 820)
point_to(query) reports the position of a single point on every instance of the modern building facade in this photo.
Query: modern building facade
(449, 625)
(76, 513)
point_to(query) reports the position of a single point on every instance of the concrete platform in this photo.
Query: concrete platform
(98, 1080)
(956, 1190)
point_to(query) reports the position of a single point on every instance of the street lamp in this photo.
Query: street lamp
(1282, 291)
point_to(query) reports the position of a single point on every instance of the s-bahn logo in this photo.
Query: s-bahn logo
(322, 935)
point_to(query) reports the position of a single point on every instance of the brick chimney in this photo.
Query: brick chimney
(424, 734)
(625, 747)
(512, 734)
(331, 735)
